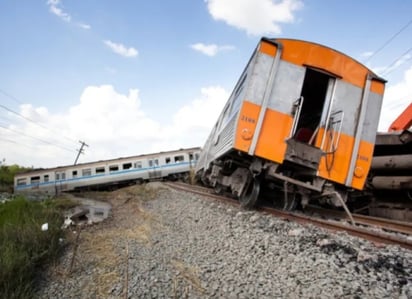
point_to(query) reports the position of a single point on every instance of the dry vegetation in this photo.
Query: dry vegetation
(97, 250)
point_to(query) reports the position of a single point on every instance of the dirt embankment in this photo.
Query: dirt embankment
(96, 258)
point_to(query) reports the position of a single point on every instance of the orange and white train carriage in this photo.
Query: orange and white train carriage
(302, 120)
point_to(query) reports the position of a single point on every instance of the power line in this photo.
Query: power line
(11, 97)
(384, 72)
(15, 142)
(36, 138)
(388, 41)
(34, 122)
(26, 118)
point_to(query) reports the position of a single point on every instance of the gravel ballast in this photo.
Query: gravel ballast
(178, 244)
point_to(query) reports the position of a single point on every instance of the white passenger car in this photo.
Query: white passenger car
(102, 174)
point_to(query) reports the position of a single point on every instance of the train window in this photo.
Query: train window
(167, 160)
(153, 162)
(196, 156)
(87, 172)
(127, 165)
(21, 182)
(225, 116)
(60, 176)
(74, 174)
(138, 164)
(191, 156)
(240, 85)
(113, 168)
(100, 170)
(46, 178)
(35, 180)
(179, 159)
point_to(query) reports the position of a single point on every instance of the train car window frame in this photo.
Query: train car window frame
(86, 172)
(168, 160)
(100, 170)
(74, 174)
(46, 178)
(138, 164)
(179, 158)
(35, 179)
(60, 175)
(113, 168)
(153, 162)
(21, 181)
(127, 165)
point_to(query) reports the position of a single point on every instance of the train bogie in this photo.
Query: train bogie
(302, 119)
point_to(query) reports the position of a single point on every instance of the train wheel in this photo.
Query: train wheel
(218, 189)
(250, 195)
(291, 203)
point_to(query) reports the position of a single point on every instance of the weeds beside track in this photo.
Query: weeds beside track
(24, 246)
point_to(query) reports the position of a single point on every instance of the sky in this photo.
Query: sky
(132, 77)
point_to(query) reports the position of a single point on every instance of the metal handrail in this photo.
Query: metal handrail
(336, 127)
(298, 106)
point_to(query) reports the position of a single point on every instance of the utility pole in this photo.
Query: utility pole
(81, 151)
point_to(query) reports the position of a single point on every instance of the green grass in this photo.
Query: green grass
(24, 247)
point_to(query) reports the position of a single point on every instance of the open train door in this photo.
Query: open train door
(312, 115)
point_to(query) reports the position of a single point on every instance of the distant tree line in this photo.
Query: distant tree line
(7, 173)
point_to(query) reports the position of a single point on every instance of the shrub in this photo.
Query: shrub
(24, 246)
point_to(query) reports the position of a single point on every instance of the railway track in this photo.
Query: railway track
(371, 228)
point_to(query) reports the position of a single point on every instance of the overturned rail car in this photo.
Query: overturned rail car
(301, 120)
(390, 177)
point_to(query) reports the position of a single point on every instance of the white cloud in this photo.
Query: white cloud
(367, 54)
(202, 112)
(397, 97)
(55, 9)
(112, 123)
(211, 49)
(256, 17)
(84, 26)
(121, 49)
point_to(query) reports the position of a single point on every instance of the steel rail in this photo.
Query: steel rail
(386, 224)
(378, 237)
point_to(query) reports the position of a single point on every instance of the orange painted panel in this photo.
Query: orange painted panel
(363, 164)
(335, 166)
(315, 55)
(275, 129)
(403, 121)
(248, 117)
(377, 87)
(267, 48)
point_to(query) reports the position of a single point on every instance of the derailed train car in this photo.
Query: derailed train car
(301, 120)
(107, 174)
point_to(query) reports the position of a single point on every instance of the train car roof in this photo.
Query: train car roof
(40, 170)
(326, 59)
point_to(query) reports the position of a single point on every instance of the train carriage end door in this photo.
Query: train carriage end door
(311, 109)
